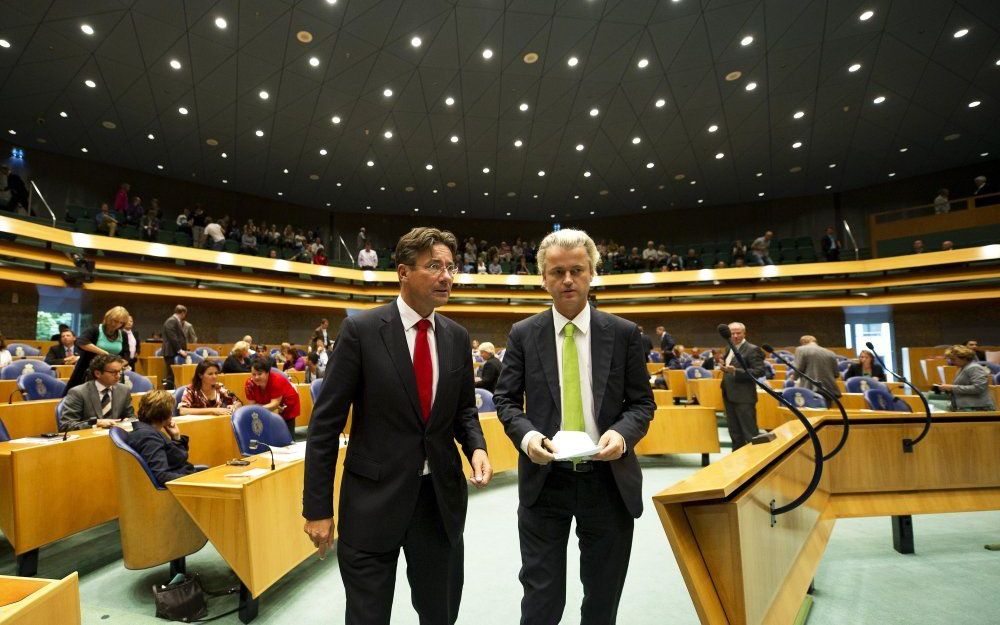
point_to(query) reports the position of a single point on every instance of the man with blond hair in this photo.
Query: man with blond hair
(578, 370)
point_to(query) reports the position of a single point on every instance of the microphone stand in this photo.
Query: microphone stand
(825, 393)
(908, 443)
(254, 444)
(726, 334)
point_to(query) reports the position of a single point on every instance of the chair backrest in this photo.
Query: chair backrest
(861, 383)
(992, 366)
(118, 437)
(996, 379)
(880, 399)
(136, 383)
(191, 359)
(803, 398)
(280, 372)
(36, 386)
(843, 365)
(20, 350)
(4, 436)
(696, 373)
(256, 423)
(205, 352)
(59, 411)
(655, 356)
(900, 406)
(178, 396)
(21, 367)
(768, 370)
(484, 400)
(314, 387)
(789, 383)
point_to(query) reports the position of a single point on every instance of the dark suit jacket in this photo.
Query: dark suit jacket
(647, 344)
(820, 364)
(623, 399)
(855, 370)
(83, 403)
(167, 459)
(233, 365)
(667, 343)
(174, 339)
(370, 368)
(489, 373)
(57, 354)
(739, 387)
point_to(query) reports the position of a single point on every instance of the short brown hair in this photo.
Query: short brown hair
(962, 352)
(156, 407)
(180, 309)
(103, 360)
(421, 239)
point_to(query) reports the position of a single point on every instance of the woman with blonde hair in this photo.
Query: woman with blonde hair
(107, 337)
(970, 390)
(238, 360)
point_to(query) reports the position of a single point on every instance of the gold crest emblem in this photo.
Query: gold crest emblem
(256, 425)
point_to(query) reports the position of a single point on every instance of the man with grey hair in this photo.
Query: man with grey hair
(980, 190)
(818, 363)
(739, 392)
(489, 371)
(579, 370)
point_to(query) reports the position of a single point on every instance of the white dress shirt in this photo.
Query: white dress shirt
(368, 259)
(582, 338)
(730, 356)
(100, 396)
(410, 318)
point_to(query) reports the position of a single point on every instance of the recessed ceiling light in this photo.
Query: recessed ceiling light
(387, 92)
(182, 110)
(339, 184)
(701, 201)
(453, 138)
(151, 136)
(855, 67)
(322, 152)
(879, 100)
(903, 149)
(63, 114)
(381, 188)
(759, 174)
(761, 194)
(224, 155)
(660, 103)
(523, 106)
(961, 32)
(530, 58)
(281, 193)
(829, 186)
(84, 150)
(87, 29)
(487, 193)
(552, 216)
(463, 212)
(449, 101)
(799, 114)
(90, 83)
(12, 131)
(486, 170)
(631, 190)
(693, 182)
(416, 210)
(370, 163)
(224, 181)
(572, 61)
(432, 190)
(160, 167)
(416, 41)
(642, 63)
(314, 61)
(110, 125)
(174, 63)
(649, 165)
(736, 75)
(797, 145)
(304, 36)
(541, 172)
(428, 167)
(487, 54)
(892, 174)
(636, 140)
(751, 86)
(713, 128)
(263, 95)
(4, 43)
(284, 171)
(579, 147)
(259, 132)
(575, 197)
(518, 143)
(867, 15)
(387, 134)
(591, 212)
(594, 112)
(984, 154)
(719, 155)
(974, 104)
(746, 40)
(586, 174)
(335, 119)
(220, 22)
(952, 136)
(832, 165)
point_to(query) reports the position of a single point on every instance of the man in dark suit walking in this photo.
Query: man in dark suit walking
(174, 342)
(739, 393)
(402, 485)
(579, 369)
(647, 343)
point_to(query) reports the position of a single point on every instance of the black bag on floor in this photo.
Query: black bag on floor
(183, 601)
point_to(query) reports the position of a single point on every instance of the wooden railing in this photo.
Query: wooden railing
(920, 221)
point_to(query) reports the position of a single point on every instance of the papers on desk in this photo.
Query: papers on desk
(573, 445)
(249, 473)
(41, 440)
(295, 451)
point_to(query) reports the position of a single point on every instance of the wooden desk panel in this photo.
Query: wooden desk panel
(153, 366)
(236, 382)
(681, 430)
(663, 397)
(676, 382)
(708, 392)
(503, 454)
(40, 600)
(8, 391)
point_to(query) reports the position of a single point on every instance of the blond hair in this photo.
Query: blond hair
(240, 346)
(118, 313)
(568, 239)
(962, 352)
(156, 407)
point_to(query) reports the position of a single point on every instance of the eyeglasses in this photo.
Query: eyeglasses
(439, 268)
(119, 372)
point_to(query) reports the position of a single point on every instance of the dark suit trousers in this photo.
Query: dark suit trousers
(168, 376)
(741, 419)
(435, 569)
(604, 528)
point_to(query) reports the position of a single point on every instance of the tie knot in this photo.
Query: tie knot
(423, 325)
(569, 329)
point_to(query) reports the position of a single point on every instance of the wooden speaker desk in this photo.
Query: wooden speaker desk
(681, 430)
(740, 568)
(30, 601)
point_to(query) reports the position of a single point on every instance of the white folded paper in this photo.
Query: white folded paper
(573, 445)
(249, 473)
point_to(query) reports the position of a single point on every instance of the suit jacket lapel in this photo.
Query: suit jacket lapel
(395, 343)
(94, 398)
(602, 342)
(444, 364)
(546, 340)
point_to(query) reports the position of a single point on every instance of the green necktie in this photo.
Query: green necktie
(572, 418)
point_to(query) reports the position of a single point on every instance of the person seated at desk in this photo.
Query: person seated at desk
(291, 358)
(866, 366)
(238, 360)
(206, 395)
(489, 372)
(100, 401)
(971, 388)
(64, 352)
(713, 359)
(322, 355)
(312, 370)
(158, 440)
(678, 359)
(273, 391)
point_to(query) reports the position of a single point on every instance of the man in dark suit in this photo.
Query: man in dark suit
(831, 246)
(100, 401)
(666, 342)
(818, 363)
(739, 393)
(64, 352)
(489, 371)
(323, 332)
(402, 485)
(174, 342)
(973, 344)
(647, 343)
(577, 369)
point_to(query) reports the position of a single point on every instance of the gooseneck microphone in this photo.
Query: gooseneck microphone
(727, 335)
(825, 392)
(254, 444)
(908, 443)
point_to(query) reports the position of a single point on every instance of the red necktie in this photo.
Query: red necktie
(423, 369)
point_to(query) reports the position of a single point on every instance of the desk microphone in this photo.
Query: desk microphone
(908, 443)
(254, 444)
(825, 392)
(727, 335)
(65, 427)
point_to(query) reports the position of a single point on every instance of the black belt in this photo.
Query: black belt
(585, 466)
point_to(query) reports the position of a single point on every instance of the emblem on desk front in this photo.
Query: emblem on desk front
(40, 388)
(479, 400)
(19, 351)
(256, 424)
(697, 373)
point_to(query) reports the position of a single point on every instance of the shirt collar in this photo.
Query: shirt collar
(100, 387)
(409, 316)
(581, 321)
(740, 344)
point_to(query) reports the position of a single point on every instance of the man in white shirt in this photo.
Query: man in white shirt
(214, 235)
(577, 369)
(367, 258)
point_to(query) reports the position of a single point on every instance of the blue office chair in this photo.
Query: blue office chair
(882, 399)
(697, 373)
(20, 367)
(803, 398)
(768, 371)
(484, 401)
(137, 383)
(843, 365)
(205, 352)
(280, 372)
(59, 411)
(194, 358)
(655, 356)
(256, 423)
(34, 386)
(20, 350)
(789, 383)
(314, 387)
(178, 396)
(996, 379)
(861, 384)
(4, 436)
(993, 367)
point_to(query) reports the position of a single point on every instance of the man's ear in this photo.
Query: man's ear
(402, 271)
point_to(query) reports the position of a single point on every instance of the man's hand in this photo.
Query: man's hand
(105, 423)
(320, 532)
(610, 447)
(183, 353)
(541, 450)
(727, 368)
(482, 472)
(172, 430)
(946, 387)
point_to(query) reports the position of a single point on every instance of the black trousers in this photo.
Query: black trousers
(290, 424)
(604, 528)
(435, 569)
(741, 419)
(168, 376)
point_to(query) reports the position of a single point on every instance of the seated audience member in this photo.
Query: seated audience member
(866, 366)
(291, 358)
(649, 255)
(367, 258)
(134, 211)
(941, 202)
(248, 241)
(714, 359)
(184, 221)
(970, 389)
(973, 344)
(692, 260)
(523, 268)
(62, 328)
(158, 440)
(274, 392)
(105, 221)
(739, 250)
(495, 268)
(980, 189)
(312, 367)
(918, 247)
(634, 261)
(100, 401)
(149, 225)
(5, 357)
(64, 352)
(319, 256)
(947, 246)
(674, 263)
(481, 266)
(205, 394)
(489, 371)
(238, 360)
(322, 355)
(678, 359)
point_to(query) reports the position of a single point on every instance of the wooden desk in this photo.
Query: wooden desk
(31, 418)
(63, 371)
(503, 454)
(664, 398)
(30, 601)
(676, 382)
(8, 391)
(40, 498)
(681, 430)
(708, 392)
(741, 569)
(255, 524)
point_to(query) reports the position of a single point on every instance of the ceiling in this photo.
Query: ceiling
(799, 59)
